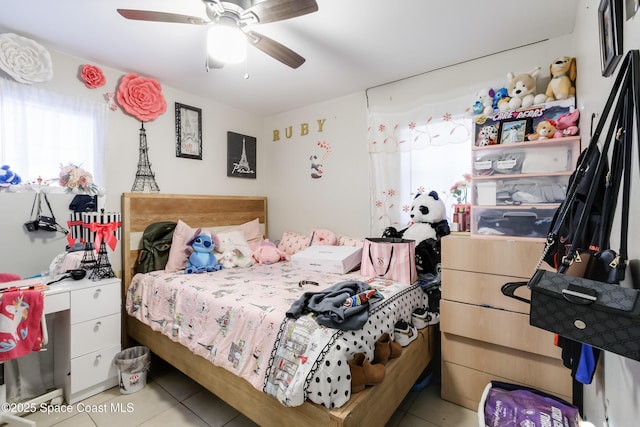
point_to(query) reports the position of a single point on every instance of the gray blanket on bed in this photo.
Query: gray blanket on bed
(328, 306)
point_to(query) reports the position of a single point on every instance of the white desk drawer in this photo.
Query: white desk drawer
(93, 368)
(95, 334)
(94, 302)
(56, 302)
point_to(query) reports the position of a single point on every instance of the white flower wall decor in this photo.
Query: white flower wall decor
(24, 59)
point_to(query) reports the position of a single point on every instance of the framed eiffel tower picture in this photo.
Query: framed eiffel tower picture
(241, 155)
(188, 132)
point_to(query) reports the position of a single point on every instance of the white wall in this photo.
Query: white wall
(339, 200)
(24, 254)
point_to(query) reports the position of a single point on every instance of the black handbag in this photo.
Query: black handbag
(595, 309)
(604, 315)
(42, 222)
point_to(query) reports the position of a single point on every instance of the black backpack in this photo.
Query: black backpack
(156, 242)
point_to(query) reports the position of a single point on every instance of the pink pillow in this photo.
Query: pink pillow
(323, 237)
(350, 241)
(178, 254)
(293, 242)
(252, 233)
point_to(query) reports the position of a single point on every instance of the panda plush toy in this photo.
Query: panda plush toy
(428, 225)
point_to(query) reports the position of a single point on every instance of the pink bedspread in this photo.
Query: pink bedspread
(236, 319)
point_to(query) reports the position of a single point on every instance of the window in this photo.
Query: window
(415, 151)
(41, 130)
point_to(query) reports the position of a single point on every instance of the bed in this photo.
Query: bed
(373, 406)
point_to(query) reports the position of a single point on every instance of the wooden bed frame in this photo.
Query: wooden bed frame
(374, 406)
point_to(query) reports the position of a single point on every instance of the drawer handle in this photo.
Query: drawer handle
(98, 358)
(97, 293)
(97, 326)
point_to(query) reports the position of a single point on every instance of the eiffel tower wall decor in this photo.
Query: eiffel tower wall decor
(188, 132)
(241, 155)
(145, 178)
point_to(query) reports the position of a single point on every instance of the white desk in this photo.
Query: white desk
(86, 334)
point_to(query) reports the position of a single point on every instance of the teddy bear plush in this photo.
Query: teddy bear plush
(563, 78)
(546, 129)
(483, 102)
(8, 177)
(522, 89)
(567, 124)
(202, 259)
(428, 225)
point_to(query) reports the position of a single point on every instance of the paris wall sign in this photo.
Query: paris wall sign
(241, 155)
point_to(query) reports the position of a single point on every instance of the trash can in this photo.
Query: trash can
(133, 364)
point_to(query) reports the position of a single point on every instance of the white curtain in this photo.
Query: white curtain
(413, 150)
(41, 130)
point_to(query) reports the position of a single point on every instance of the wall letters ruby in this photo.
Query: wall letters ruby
(304, 130)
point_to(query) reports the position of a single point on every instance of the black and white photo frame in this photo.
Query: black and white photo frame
(241, 155)
(188, 132)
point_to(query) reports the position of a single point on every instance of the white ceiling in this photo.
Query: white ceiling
(349, 45)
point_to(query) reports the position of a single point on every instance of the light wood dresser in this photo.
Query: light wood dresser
(485, 335)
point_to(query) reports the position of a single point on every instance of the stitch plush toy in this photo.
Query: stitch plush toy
(8, 177)
(202, 258)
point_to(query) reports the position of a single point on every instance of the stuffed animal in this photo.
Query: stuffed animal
(202, 258)
(487, 135)
(235, 258)
(429, 218)
(8, 177)
(484, 102)
(563, 79)
(268, 253)
(567, 124)
(546, 129)
(500, 97)
(428, 225)
(522, 89)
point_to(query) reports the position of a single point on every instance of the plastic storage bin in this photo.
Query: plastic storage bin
(530, 222)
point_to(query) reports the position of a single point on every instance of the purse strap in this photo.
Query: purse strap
(49, 206)
(388, 264)
(36, 200)
(621, 131)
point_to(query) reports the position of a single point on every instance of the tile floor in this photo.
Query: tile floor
(172, 399)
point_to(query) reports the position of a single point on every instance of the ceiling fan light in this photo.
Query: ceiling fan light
(227, 44)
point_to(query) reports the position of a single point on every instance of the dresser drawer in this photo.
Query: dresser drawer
(93, 368)
(482, 289)
(500, 327)
(515, 258)
(541, 372)
(95, 334)
(96, 301)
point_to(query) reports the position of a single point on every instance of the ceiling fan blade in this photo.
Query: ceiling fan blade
(278, 10)
(148, 15)
(275, 49)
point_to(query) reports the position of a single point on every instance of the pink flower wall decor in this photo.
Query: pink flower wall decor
(92, 76)
(141, 97)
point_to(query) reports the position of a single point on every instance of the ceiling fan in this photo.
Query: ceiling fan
(237, 14)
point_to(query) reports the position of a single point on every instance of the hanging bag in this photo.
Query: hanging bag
(389, 258)
(42, 222)
(595, 309)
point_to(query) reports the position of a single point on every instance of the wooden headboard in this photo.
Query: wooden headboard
(142, 209)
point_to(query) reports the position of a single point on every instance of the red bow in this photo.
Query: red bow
(105, 232)
(71, 240)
